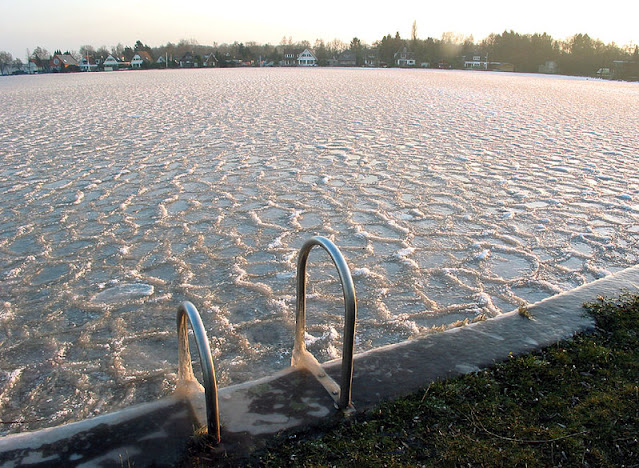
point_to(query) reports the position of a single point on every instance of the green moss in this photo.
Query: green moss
(259, 390)
(524, 312)
(296, 406)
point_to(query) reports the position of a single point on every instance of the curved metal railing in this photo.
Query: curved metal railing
(185, 367)
(303, 357)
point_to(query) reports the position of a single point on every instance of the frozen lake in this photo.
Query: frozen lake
(453, 195)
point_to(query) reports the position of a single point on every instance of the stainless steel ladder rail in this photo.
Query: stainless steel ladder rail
(301, 357)
(185, 367)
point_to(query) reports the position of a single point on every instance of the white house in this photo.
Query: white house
(140, 58)
(111, 63)
(475, 62)
(88, 64)
(404, 58)
(306, 59)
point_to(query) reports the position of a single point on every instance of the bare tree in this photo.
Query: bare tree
(102, 52)
(186, 45)
(117, 51)
(5, 61)
(41, 57)
(453, 38)
(336, 46)
(17, 64)
(87, 50)
(41, 53)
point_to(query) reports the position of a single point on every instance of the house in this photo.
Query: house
(141, 58)
(604, 73)
(404, 58)
(289, 58)
(19, 68)
(348, 58)
(210, 60)
(88, 64)
(475, 62)
(371, 59)
(307, 59)
(111, 63)
(188, 61)
(164, 60)
(61, 62)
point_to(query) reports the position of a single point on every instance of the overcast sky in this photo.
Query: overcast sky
(68, 24)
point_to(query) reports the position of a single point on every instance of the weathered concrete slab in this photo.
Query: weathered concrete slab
(251, 413)
(400, 369)
(153, 434)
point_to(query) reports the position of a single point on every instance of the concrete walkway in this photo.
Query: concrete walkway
(157, 434)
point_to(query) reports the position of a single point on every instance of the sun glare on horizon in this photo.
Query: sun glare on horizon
(70, 24)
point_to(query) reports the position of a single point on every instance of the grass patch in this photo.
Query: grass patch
(572, 404)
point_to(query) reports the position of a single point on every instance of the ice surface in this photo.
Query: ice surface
(123, 293)
(453, 196)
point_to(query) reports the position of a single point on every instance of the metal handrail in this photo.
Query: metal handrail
(185, 367)
(350, 314)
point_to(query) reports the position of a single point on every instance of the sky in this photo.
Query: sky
(69, 24)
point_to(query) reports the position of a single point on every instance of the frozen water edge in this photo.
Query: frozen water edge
(254, 411)
(511, 189)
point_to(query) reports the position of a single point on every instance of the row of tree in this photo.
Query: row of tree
(578, 55)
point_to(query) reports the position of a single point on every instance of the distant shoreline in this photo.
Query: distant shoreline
(579, 55)
(557, 75)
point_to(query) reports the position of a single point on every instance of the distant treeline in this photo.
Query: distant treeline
(578, 55)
